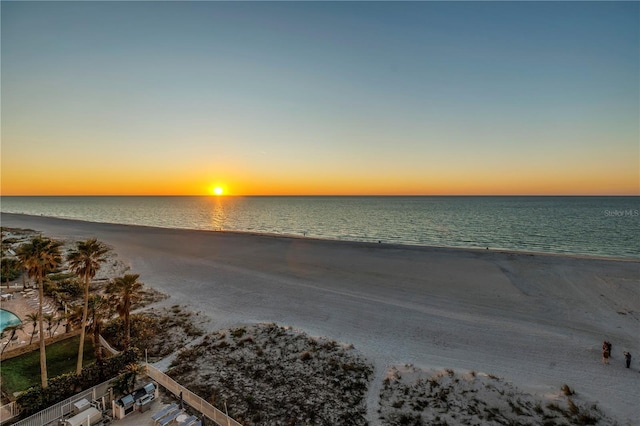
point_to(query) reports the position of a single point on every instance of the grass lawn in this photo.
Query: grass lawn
(22, 372)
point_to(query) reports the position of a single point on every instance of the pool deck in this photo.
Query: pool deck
(22, 303)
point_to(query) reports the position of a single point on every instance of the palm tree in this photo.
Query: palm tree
(85, 261)
(124, 292)
(10, 268)
(50, 319)
(74, 317)
(98, 311)
(33, 317)
(39, 257)
(59, 320)
(13, 329)
(124, 384)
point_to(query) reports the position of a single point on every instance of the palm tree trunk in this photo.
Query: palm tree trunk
(13, 333)
(83, 325)
(127, 331)
(59, 320)
(43, 353)
(33, 331)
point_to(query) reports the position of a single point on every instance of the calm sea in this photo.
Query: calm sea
(600, 226)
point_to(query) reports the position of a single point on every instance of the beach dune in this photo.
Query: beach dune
(536, 320)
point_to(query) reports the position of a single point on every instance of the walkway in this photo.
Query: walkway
(190, 398)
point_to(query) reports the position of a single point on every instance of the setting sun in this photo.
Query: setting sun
(217, 190)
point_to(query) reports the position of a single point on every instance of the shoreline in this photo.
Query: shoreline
(380, 244)
(538, 321)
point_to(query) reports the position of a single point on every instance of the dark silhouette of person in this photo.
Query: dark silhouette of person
(627, 358)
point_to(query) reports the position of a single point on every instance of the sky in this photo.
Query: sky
(320, 98)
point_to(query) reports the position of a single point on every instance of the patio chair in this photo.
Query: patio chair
(166, 410)
(189, 421)
(168, 419)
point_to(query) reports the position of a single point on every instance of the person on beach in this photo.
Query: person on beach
(627, 358)
(605, 355)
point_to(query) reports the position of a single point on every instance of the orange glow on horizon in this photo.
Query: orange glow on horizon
(22, 181)
(320, 190)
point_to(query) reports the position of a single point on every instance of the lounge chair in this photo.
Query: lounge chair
(189, 421)
(166, 410)
(168, 419)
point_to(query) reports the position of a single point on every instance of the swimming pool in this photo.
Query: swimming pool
(7, 318)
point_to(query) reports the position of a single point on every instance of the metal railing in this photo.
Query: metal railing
(8, 411)
(61, 409)
(190, 398)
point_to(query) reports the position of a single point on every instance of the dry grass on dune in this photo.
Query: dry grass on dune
(271, 375)
(415, 397)
(158, 331)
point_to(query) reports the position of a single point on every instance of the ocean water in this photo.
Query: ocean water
(598, 226)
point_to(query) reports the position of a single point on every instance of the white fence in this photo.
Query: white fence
(8, 411)
(61, 409)
(51, 414)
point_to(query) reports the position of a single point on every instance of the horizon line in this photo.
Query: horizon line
(321, 195)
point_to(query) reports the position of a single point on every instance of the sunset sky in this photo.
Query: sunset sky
(320, 98)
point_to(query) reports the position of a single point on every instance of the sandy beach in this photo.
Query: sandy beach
(538, 321)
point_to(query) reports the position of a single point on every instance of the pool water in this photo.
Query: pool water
(7, 318)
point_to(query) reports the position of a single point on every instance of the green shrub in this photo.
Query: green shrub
(10, 269)
(573, 408)
(238, 332)
(143, 328)
(65, 386)
(60, 276)
(69, 286)
(566, 390)
(305, 356)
